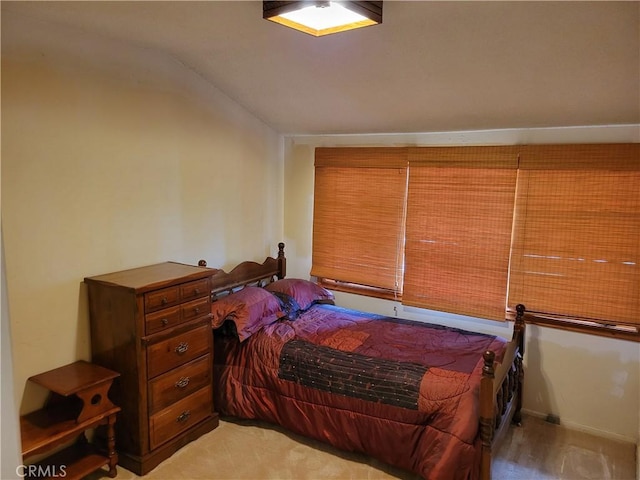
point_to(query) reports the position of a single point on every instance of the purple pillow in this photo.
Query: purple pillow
(306, 293)
(250, 309)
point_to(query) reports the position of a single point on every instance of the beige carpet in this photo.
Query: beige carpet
(246, 450)
(253, 451)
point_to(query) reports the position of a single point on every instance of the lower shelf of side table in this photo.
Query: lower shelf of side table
(73, 463)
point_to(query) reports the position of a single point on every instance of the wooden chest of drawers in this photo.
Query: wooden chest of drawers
(152, 325)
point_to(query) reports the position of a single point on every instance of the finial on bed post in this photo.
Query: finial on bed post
(282, 261)
(202, 263)
(489, 358)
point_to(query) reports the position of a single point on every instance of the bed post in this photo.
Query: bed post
(282, 262)
(518, 335)
(496, 400)
(487, 423)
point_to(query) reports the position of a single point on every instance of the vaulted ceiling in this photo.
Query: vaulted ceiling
(431, 66)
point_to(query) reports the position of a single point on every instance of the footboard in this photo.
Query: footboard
(501, 393)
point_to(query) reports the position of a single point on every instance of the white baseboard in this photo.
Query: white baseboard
(591, 430)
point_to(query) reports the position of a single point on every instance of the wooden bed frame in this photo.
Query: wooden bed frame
(501, 384)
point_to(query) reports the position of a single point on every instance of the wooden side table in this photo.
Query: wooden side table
(78, 401)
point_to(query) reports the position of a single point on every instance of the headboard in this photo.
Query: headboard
(249, 273)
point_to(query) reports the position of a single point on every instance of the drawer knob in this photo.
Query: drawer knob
(182, 348)
(183, 417)
(196, 291)
(182, 383)
(165, 322)
(164, 300)
(197, 310)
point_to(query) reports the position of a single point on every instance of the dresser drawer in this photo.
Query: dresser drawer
(197, 289)
(167, 389)
(161, 299)
(195, 309)
(156, 321)
(176, 351)
(177, 418)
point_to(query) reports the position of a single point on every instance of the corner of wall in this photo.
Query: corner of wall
(11, 457)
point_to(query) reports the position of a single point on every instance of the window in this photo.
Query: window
(576, 250)
(459, 218)
(466, 229)
(358, 219)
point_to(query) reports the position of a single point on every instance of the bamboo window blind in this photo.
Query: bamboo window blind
(471, 230)
(576, 251)
(459, 218)
(358, 219)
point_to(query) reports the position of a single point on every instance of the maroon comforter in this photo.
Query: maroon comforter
(404, 392)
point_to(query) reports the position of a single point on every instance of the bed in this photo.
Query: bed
(429, 399)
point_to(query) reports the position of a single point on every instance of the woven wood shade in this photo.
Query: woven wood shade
(577, 232)
(458, 234)
(464, 229)
(358, 220)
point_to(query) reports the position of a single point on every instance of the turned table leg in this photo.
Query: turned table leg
(111, 446)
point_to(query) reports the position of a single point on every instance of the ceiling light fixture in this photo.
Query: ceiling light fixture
(320, 18)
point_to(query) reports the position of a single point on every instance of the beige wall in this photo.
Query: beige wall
(115, 157)
(592, 383)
